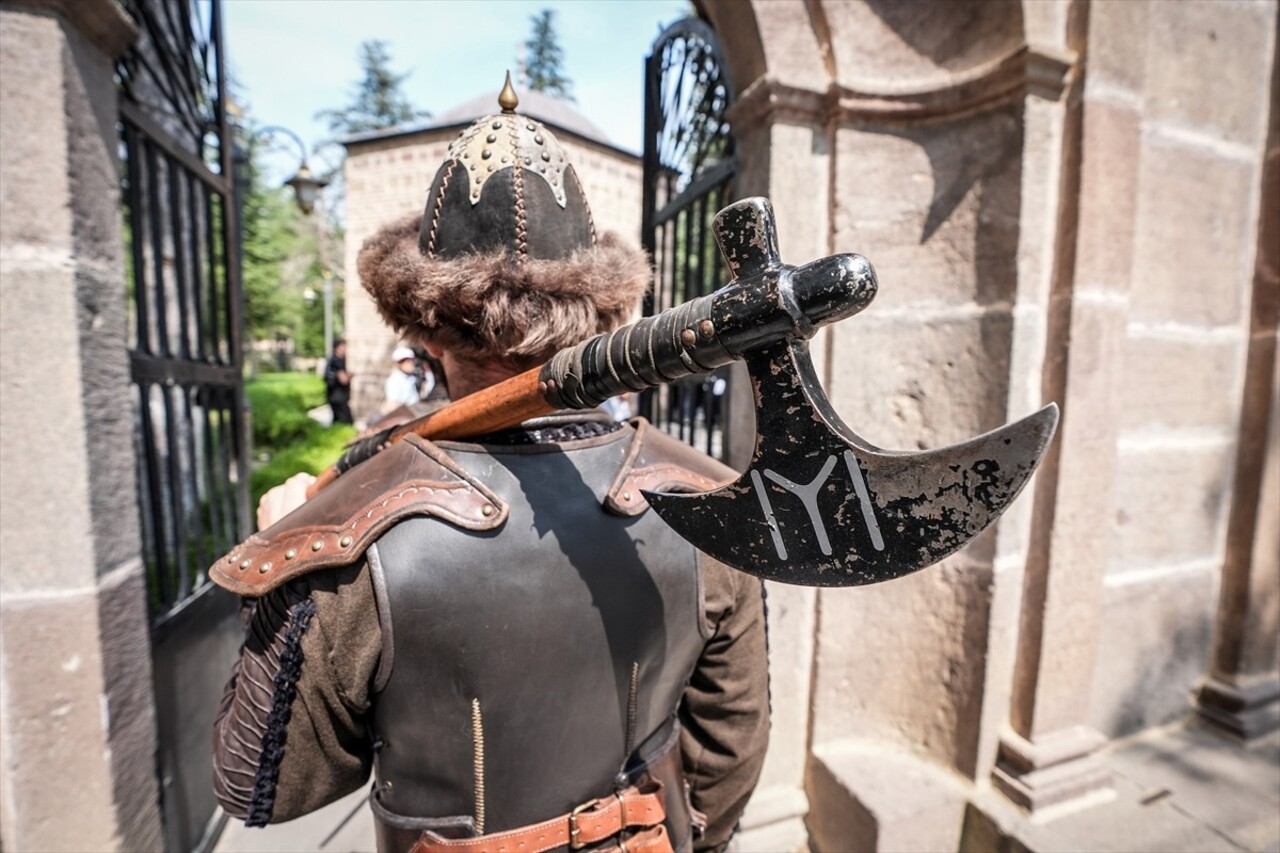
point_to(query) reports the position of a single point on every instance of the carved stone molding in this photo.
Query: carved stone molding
(1038, 71)
(1055, 769)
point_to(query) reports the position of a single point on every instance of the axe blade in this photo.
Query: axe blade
(820, 506)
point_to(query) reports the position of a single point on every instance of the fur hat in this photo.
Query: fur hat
(504, 264)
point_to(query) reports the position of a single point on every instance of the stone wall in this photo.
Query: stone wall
(389, 178)
(1060, 207)
(77, 724)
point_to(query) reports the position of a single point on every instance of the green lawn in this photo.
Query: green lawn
(282, 429)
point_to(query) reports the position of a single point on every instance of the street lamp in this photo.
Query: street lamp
(306, 186)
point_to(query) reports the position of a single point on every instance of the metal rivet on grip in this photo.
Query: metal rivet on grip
(265, 567)
(497, 125)
(486, 510)
(493, 137)
(707, 328)
(688, 337)
(542, 387)
(317, 545)
(344, 541)
(244, 564)
(626, 496)
(290, 554)
(551, 386)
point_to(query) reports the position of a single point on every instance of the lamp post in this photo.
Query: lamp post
(306, 191)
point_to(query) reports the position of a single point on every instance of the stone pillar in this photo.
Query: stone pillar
(1045, 756)
(784, 154)
(77, 729)
(1241, 694)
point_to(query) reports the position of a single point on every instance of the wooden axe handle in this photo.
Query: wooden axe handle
(497, 407)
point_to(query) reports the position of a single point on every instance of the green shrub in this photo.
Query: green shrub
(320, 450)
(279, 403)
(281, 428)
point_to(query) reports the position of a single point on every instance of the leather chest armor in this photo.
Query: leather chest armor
(539, 624)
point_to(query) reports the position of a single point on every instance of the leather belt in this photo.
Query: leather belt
(590, 823)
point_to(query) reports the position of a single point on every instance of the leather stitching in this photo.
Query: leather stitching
(439, 204)
(517, 181)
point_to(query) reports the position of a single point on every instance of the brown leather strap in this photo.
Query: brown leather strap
(651, 840)
(589, 823)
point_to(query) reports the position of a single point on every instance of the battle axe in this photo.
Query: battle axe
(818, 505)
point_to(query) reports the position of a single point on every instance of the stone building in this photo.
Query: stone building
(1070, 200)
(388, 174)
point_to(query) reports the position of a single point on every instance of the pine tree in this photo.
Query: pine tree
(542, 67)
(378, 101)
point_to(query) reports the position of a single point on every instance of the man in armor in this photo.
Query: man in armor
(524, 655)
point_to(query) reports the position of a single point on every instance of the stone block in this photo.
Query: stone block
(1154, 643)
(936, 208)
(44, 486)
(791, 644)
(908, 381)
(33, 142)
(53, 698)
(1118, 44)
(1170, 502)
(863, 796)
(1111, 152)
(1236, 40)
(903, 663)
(1193, 257)
(1167, 382)
(130, 703)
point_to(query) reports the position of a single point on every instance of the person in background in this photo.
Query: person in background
(401, 387)
(337, 383)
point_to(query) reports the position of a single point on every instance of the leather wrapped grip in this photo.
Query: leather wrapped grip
(709, 331)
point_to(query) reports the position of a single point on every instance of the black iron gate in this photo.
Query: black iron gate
(689, 164)
(184, 304)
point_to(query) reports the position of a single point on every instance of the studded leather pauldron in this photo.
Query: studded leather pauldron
(412, 478)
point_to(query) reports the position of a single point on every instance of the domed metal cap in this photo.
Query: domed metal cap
(507, 185)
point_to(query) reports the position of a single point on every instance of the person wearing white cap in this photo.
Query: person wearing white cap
(401, 387)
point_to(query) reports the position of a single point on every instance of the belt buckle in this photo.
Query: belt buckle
(574, 832)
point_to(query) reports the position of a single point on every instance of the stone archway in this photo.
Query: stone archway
(900, 131)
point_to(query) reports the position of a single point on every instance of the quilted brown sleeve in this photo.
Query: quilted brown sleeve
(725, 712)
(291, 734)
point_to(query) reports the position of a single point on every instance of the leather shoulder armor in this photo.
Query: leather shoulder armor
(411, 478)
(657, 462)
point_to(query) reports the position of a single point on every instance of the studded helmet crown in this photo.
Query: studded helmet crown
(504, 262)
(506, 184)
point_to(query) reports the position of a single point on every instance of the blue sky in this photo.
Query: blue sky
(291, 58)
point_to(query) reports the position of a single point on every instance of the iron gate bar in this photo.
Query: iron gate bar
(688, 162)
(156, 134)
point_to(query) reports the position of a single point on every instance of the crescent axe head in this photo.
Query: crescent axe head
(820, 506)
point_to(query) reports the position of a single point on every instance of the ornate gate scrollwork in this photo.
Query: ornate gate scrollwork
(689, 165)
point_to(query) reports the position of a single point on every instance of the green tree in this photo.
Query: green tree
(542, 66)
(269, 239)
(378, 101)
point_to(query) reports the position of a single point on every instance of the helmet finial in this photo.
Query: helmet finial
(507, 98)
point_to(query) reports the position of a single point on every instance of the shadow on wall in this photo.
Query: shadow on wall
(953, 36)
